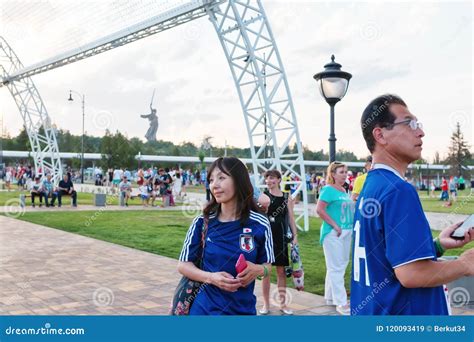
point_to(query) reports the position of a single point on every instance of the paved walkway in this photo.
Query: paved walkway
(45, 271)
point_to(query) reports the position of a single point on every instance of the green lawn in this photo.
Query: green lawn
(163, 233)
(196, 188)
(83, 198)
(463, 205)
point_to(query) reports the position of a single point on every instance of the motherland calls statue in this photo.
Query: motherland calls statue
(153, 118)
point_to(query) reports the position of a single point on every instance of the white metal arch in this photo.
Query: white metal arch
(35, 116)
(264, 93)
(256, 66)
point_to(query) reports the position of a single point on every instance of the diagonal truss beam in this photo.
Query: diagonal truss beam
(264, 93)
(179, 15)
(35, 116)
(256, 66)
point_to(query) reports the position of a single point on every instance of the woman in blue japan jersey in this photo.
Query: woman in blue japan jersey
(234, 227)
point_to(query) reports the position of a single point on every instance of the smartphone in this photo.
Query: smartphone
(459, 233)
(241, 264)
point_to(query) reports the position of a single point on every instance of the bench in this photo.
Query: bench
(132, 196)
(23, 198)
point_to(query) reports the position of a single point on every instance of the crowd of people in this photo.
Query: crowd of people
(41, 186)
(375, 218)
(381, 225)
(449, 189)
(150, 184)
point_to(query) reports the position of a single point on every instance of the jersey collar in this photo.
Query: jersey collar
(386, 167)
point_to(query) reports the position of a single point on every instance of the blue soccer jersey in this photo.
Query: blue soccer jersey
(390, 230)
(224, 243)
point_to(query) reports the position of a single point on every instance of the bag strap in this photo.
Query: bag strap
(203, 239)
(204, 233)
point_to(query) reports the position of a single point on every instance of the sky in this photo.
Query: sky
(420, 50)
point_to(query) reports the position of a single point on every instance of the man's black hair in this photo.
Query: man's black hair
(377, 114)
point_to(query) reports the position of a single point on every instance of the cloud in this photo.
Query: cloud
(400, 47)
(370, 74)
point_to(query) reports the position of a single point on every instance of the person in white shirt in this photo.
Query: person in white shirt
(177, 185)
(125, 188)
(36, 190)
(118, 173)
(8, 178)
(144, 194)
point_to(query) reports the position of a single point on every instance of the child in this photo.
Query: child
(144, 195)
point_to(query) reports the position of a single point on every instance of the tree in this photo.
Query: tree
(437, 158)
(458, 152)
(117, 151)
(22, 141)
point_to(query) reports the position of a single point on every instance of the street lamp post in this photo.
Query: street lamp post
(83, 97)
(333, 84)
(428, 185)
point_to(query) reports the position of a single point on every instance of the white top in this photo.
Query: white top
(386, 167)
(8, 176)
(143, 190)
(118, 174)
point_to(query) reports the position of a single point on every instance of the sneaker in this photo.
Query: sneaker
(344, 310)
(286, 311)
(263, 311)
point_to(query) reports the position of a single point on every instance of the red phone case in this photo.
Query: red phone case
(241, 264)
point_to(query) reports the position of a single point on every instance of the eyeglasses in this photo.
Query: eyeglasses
(412, 123)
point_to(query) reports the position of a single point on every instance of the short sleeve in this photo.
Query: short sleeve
(407, 233)
(264, 241)
(326, 194)
(359, 181)
(192, 242)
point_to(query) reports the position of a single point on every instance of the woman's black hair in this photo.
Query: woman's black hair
(377, 114)
(234, 168)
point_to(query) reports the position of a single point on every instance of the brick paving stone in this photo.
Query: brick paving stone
(45, 271)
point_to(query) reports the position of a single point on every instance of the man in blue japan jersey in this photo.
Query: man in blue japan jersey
(395, 268)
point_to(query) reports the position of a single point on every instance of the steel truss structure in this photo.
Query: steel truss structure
(264, 93)
(256, 66)
(34, 114)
